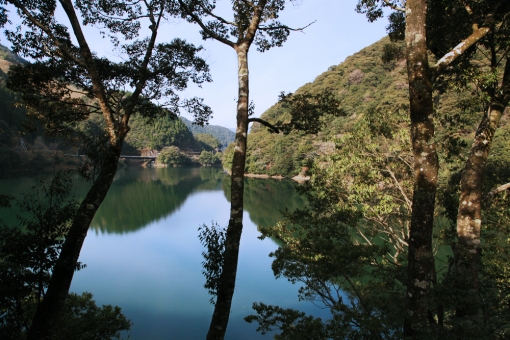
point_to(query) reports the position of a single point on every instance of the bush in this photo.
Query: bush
(173, 156)
(208, 158)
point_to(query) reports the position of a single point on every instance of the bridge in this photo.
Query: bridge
(151, 159)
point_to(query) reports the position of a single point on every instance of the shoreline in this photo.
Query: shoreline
(298, 178)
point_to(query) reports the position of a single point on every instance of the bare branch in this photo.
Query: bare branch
(478, 33)
(267, 28)
(152, 43)
(353, 286)
(217, 17)
(196, 19)
(408, 201)
(467, 7)
(276, 129)
(496, 191)
(97, 84)
(393, 6)
(362, 234)
(449, 57)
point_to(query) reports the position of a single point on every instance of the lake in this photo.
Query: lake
(143, 254)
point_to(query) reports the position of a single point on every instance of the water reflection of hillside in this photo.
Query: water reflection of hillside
(265, 199)
(139, 197)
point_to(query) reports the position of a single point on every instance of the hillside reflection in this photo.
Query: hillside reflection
(266, 199)
(139, 197)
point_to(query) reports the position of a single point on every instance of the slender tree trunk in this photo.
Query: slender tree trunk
(49, 310)
(227, 279)
(420, 259)
(469, 218)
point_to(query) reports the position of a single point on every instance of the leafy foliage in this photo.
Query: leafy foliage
(82, 319)
(213, 239)
(348, 245)
(228, 155)
(28, 253)
(309, 112)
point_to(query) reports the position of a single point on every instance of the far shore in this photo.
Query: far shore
(299, 178)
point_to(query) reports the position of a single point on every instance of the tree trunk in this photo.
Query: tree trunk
(48, 311)
(469, 218)
(420, 259)
(227, 279)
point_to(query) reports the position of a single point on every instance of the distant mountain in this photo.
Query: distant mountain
(224, 135)
(7, 54)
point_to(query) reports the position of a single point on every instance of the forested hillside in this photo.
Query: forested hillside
(371, 83)
(8, 58)
(164, 131)
(11, 118)
(155, 135)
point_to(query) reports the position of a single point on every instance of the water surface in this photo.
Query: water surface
(143, 254)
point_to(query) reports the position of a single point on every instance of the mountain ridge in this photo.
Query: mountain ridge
(223, 134)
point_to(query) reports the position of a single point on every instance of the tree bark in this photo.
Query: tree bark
(227, 279)
(469, 218)
(420, 259)
(48, 313)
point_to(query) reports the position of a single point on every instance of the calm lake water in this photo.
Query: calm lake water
(143, 254)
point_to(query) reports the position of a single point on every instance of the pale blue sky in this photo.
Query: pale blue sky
(337, 33)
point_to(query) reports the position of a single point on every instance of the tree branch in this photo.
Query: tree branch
(353, 286)
(496, 191)
(393, 6)
(478, 33)
(46, 30)
(97, 84)
(255, 21)
(407, 200)
(142, 74)
(263, 28)
(458, 50)
(203, 26)
(217, 17)
(276, 129)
